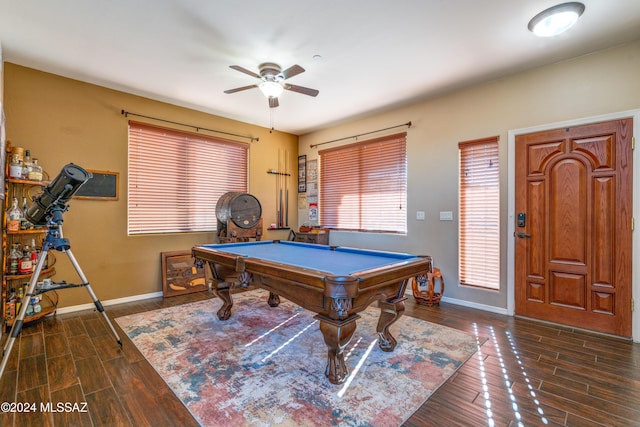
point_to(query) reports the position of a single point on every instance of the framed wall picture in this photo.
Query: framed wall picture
(302, 174)
(180, 274)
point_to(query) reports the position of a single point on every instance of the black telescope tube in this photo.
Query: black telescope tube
(57, 193)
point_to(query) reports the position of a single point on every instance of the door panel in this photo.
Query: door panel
(568, 290)
(537, 253)
(603, 231)
(573, 255)
(568, 211)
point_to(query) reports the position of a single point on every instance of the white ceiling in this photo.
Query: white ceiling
(376, 54)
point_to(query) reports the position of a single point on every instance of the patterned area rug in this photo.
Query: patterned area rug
(265, 366)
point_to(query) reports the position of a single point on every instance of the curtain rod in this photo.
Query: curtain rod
(408, 124)
(197, 128)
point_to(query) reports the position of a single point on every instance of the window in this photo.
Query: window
(479, 238)
(363, 186)
(176, 178)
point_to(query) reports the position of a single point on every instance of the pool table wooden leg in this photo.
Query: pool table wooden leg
(390, 312)
(337, 334)
(222, 290)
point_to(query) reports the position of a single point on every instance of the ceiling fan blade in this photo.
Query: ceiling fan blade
(294, 70)
(273, 102)
(238, 89)
(301, 89)
(244, 70)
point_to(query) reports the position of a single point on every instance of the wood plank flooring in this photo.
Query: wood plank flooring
(526, 373)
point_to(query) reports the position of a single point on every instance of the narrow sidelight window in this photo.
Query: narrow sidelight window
(479, 213)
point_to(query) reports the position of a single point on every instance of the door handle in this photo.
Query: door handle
(522, 235)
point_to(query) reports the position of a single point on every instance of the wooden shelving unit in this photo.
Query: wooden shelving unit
(49, 299)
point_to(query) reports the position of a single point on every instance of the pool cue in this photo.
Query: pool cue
(286, 188)
(279, 188)
(278, 192)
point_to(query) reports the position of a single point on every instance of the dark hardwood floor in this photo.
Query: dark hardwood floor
(526, 373)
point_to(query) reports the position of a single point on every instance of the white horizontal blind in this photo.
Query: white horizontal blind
(363, 186)
(479, 236)
(176, 178)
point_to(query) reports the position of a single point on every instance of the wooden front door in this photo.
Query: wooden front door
(573, 226)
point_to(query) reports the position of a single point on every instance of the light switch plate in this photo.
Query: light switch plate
(420, 215)
(446, 216)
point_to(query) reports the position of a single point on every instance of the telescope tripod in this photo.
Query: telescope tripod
(53, 240)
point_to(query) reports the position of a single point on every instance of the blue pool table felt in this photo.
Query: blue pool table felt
(340, 261)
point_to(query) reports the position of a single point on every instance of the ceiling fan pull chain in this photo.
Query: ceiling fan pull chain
(272, 113)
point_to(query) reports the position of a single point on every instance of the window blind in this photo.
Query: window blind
(176, 178)
(363, 186)
(479, 213)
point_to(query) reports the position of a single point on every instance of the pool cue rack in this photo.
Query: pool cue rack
(282, 190)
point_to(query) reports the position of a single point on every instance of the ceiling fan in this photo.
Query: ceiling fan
(272, 81)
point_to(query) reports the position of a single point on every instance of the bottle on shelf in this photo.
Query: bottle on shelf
(33, 255)
(14, 216)
(24, 222)
(35, 174)
(19, 298)
(27, 165)
(10, 307)
(26, 265)
(14, 259)
(34, 306)
(15, 167)
(37, 306)
(16, 151)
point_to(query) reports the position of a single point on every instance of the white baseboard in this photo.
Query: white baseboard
(90, 306)
(490, 308)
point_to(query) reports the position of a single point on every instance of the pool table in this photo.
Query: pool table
(336, 283)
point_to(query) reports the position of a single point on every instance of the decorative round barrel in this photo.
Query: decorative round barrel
(242, 208)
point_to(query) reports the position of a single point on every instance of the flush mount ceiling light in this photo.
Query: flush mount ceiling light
(556, 19)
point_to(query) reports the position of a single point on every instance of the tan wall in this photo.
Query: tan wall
(592, 85)
(62, 120)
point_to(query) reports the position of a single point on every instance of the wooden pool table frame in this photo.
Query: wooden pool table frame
(335, 299)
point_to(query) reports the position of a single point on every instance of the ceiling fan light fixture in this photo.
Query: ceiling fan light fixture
(556, 19)
(271, 81)
(271, 89)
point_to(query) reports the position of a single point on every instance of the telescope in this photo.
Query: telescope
(47, 209)
(56, 195)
